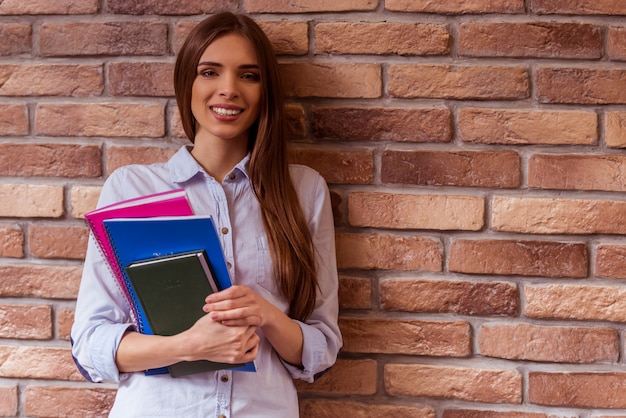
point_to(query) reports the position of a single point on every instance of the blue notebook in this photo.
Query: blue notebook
(135, 239)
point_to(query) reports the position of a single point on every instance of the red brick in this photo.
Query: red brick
(337, 165)
(527, 127)
(348, 377)
(611, 261)
(64, 321)
(44, 241)
(9, 400)
(461, 82)
(455, 6)
(31, 201)
(407, 211)
(617, 44)
(71, 402)
(609, 416)
(11, 241)
(306, 6)
(35, 281)
(524, 258)
(50, 160)
(386, 124)
(83, 199)
(175, 124)
(336, 202)
(295, 118)
(355, 292)
(615, 129)
(13, 120)
(581, 85)
(17, 38)
(410, 337)
(287, 38)
(332, 79)
(25, 322)
(312, 408)
(100, 119)
(384, 38)
(77, 80)
(38, 363)
(103, 38)
(578, 390)
(549, 343)
(449, 382)
(181, 31)
(576, 302)
(388, 252)
(476, 413)
(151, 7)
(44, 7)
(121, 156)
(530, 39)
(141, 79)
(558, 216)
(577, 172)
(458, 168)
(446, 296)
(578, 7)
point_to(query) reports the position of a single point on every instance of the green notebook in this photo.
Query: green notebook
(172, 290)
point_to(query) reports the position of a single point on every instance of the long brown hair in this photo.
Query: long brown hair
(288, 234)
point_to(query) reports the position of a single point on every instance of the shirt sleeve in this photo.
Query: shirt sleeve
(102, 313)
(322, 337)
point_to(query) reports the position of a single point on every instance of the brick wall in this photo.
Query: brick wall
(474, 150)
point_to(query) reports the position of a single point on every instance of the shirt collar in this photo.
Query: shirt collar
(183, 166)
(243, 165)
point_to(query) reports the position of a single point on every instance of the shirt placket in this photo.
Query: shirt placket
(223, 225)
(224, 390)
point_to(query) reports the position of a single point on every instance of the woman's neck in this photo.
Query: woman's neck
(218, 159)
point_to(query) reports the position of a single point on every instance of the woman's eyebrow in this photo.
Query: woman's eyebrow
(217, 64)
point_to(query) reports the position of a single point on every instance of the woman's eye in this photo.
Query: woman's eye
(208, 73)
(251, 76)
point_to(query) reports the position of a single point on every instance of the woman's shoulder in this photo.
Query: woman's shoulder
(131, 171)
(304, 176)
(157, 171)
(138, 174)
(135, 180)
(304, 172)
(310, 186)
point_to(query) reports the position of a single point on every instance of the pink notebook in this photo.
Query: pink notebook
(169, 203)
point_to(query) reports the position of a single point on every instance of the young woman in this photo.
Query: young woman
(278, 237)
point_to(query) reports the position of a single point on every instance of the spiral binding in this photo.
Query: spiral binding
(120, 281)
(130, 292)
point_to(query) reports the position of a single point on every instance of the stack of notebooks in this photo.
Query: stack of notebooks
(166, 260)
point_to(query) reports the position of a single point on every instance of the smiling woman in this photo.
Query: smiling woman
(225, 100)
(278, 238)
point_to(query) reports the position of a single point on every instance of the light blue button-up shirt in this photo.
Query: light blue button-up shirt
(102, 313)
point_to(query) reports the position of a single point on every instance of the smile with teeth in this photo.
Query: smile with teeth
(226, 112)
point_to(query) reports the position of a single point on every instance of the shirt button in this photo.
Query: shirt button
(224, 230)
(232, 176)
(224, 378)
(228, 264)
(222, 416)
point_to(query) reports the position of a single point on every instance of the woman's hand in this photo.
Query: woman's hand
(239, 306)
(211, 340)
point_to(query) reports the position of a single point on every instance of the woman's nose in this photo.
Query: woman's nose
(228, 87)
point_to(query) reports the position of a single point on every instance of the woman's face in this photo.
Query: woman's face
(226, 94)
